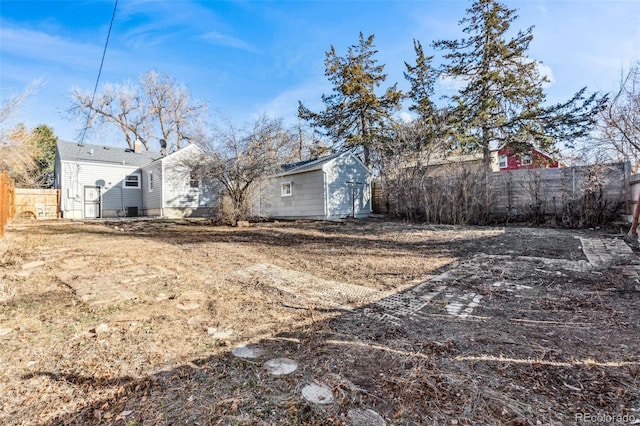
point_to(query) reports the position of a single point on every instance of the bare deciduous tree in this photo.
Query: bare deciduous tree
(16, 157)
(620, 121)
(26, 155)
(239, 157)
(404, 167)
(157, 108)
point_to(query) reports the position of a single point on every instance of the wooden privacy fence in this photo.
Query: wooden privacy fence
(559, 191)
(634, 192)
(7, 205)
(574, 196)
(37, 203)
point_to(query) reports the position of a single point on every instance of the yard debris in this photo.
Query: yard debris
(219, 334)
(187, 306)
(100, 329)
(556, 337)
(35, 264)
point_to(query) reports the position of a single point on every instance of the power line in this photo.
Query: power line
(95, 88)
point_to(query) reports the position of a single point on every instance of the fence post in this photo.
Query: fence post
(4, 202)
(636, 216)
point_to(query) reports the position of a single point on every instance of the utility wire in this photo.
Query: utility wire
(95, 88)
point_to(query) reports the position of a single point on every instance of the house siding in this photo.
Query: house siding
(179, 199)
(348, 187)
(325, 191)
(514, 162)
(75, 176)
(78, 166)
(306, 200)
(152, 200)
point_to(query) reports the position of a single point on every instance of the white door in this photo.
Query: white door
(91, 202)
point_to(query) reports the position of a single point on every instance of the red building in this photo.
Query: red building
(534, 159)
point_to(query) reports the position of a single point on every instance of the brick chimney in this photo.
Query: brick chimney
(137, 146)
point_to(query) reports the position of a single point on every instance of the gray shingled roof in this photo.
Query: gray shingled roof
(307, 165)
(72, 151)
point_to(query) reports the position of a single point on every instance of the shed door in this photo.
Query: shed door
(91, 202)
(355, 196)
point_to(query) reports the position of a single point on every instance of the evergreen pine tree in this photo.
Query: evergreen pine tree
(354, 115)
(503, 100)
(422, 77)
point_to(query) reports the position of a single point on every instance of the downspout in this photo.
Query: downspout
(161, 180)
(326, 194)
(260, 188)
(75, 185)
(123, 212)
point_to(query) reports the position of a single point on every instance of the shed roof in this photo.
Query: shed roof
(308, 165)
(73, 151)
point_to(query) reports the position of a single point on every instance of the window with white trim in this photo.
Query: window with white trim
(132, 181)
(150, 181)
(194, 180)
(286, 190)
(526, 159)
(502, 161)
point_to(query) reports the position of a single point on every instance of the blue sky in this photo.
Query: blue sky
(247, 58)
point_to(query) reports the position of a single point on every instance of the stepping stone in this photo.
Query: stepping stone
(187, 306)
(281, 366)
(219, 334)
(318, 394)
(190, 300)
(248, 351)
(365, 417)
(101, 329)
(35, 264)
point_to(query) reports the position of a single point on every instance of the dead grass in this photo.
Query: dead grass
(132, 322)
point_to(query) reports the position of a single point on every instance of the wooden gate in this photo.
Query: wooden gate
(37, 203)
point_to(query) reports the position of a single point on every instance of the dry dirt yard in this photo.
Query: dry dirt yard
(134, 322)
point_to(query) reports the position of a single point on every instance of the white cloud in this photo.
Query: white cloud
(38, 46)
(546, 71)
(405, 117)
(448, 84)
(227, 41)
(285, 105)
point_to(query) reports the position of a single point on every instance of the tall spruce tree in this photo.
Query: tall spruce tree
(503, 99)
(422, 77)
(354, 115)
(43, 141)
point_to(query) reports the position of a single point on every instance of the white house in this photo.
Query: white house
(103, 181)
(328, 188)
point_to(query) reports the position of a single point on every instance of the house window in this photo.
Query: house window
(286, 190)
(526, 159)
(132, 181)
(150, 181)
(194, 180)
(502, 161)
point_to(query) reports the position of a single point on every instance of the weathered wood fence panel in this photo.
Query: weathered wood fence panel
(577, 196)
(634, 194)
(379, 198)
(37, 203)
(7, 204)
(548, 189)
